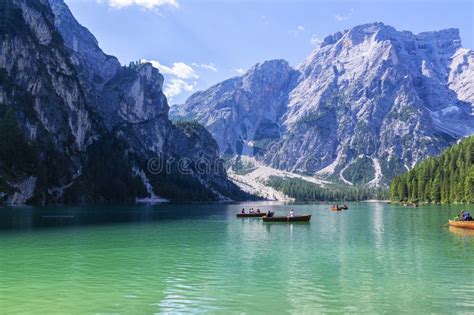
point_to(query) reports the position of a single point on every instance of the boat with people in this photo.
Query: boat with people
(339, 208)
(253, 213)
(462, 224)
(295, 218)
(463, 220)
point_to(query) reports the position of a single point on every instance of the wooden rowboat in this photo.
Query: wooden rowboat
(251, 215)
(462, 224)
(336, 209)
(296, 218)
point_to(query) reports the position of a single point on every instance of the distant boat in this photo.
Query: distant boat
(336, 209)
(296, 218)
(251, 215)
(462, 224)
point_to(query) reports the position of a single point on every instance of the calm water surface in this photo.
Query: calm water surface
(201, 259)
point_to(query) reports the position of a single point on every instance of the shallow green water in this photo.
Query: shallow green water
(372, 258)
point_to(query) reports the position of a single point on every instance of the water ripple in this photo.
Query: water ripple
(373, 258)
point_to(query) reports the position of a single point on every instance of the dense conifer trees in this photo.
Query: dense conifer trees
(447, 178)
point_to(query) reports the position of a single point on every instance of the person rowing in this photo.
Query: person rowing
(465, 216)
(291, 213)
(243, 211)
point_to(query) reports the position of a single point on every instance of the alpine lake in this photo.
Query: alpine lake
(200, 258)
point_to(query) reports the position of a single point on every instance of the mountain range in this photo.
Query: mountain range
(77, 127)
(368, 103)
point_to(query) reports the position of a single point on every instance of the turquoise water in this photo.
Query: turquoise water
(201, 259)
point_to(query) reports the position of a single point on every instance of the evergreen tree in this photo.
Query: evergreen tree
(447, 178)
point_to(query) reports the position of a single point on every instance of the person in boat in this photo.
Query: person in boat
(291, 213)
(466, 216)
(258, 210)
(243, 211)
(251, 210)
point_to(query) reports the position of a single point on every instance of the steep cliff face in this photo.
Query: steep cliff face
(380, 96)
(367, 103)
(462, 74)
(41, 95)
(97, 68)
(81, 128)
(35, 65)
(133, 95)
(242, 113)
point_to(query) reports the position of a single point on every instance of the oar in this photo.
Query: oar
(444, 225)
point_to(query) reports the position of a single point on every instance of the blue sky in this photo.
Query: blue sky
(197, 43)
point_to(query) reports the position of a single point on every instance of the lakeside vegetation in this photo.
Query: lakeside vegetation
(448, 178)
(302, 190)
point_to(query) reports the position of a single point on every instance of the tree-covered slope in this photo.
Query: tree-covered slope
(302, 190)
(447, 178)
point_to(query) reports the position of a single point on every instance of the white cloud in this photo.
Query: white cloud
(240, 70)
(177, 86)
(209, 66)
(299, 29)
(342, 17)
(315, 40)
(148, 4)
(178, 69)
(179, 77)
(264, 20)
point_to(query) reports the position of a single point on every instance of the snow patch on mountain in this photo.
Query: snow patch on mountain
(345, 181)
(254, 180)
(378, 174)
(392, 96)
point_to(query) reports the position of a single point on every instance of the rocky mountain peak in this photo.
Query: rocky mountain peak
(268, 67)
(370, 100)
(97, 67)
(86, 127)
(248, 107)
(133, 95)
